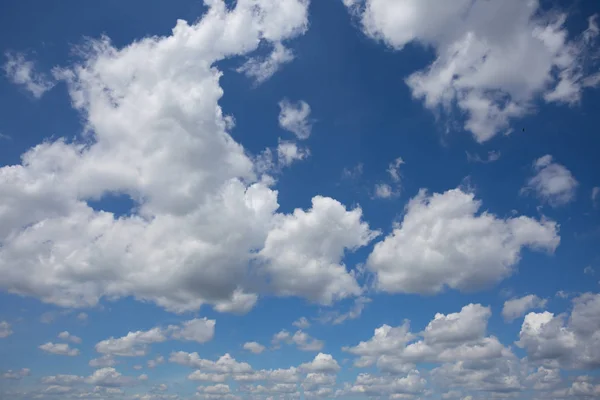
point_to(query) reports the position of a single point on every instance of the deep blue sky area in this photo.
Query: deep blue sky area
(350, 66)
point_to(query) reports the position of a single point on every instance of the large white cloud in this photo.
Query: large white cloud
(155, 132)
(516, 308)
(443, 240)
(493, 58)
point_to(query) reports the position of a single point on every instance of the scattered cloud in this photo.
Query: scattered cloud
(288, 152)
(301, 323)
(61, 349)
(443, 241)
(106, 360)
(260, 69)
(254, 347)
(491, 157)
(68, 337)
(300, 338)
(294, 117)
(22, 72)
(516, 308)
(5, 329)
(16, 375)
(552, 182)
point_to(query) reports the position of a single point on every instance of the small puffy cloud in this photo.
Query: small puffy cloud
(516, 308)
(262, 68)
(552, 183)
(254, 347)
(62, 380)
(68, 337)
(22, 72)
(109, 377)
(301, 339)
(143, 377)
(16, 375)
(294, 117)
(443, 241)
(589, 270)
(106, 360)
(200, 330)
(61, 349)
(82, 316)
(383, 191)
(322, 363)
(156, 362)
(288, 152)
(5, 329)
(136, 344)
(394, 169)
(301, 323)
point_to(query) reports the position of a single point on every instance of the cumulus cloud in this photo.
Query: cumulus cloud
(202, 211)
(444, 241)
(555, 341)
(109, 377)
(294, 117)
(303, 251)
(254, 347)
(155, 362)
(322, 363)
(288, 152)
(5, 329)
(336, 317)
(386, 190)
(516, 308)
(69, 337)
(493, 59)
(383, 191)
(552, 182)
(260, 69)
(106, 360)
(16, 375)
(61, 349)
(301, 339)
(22, 72)
(301, 323)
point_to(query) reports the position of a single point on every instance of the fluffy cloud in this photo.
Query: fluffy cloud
(156, 362)
(288, 152)
(444, 241)
(303, 251)
(22, 72)
(301, 323)
(516, 308)
(16, 375)
(552, 183)
(336, 317)
(493, 59)
(555, 341)
(301, 339)
(200, 330)
(393, 387)
(254, 347)
(109, 377)
(134, 344)
(202, 210)
(71, 338)
(262, 68)
(322, 363)
(383, 191)
(102, 362)
(61, 349)
(5, 329)
(294, 117)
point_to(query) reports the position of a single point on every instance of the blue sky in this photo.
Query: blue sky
(292, 199)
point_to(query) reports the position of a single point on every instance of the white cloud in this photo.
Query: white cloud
(254, 347)
(394, 169)
(516, 308)
(288, 152)
(143, 377)
(392, 387)
(443, 240)
(68, 337)
(589, 270)
(262, 68)
(156, 362)
(322, 363)
(61, 349)
(294, 117)
(336, 318)
(200, 330)
(552, 183)
(109, 377)
(491, 157)
(383, 191)
(492, 58)
(16, 375)
(301, 323)
(301, 339)
(21, 71)
(102, 362)
(62, 380)
(5, 329)
(555, 341)
(134, 344)
(192, 187)
(82, 316)
(303, 251)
